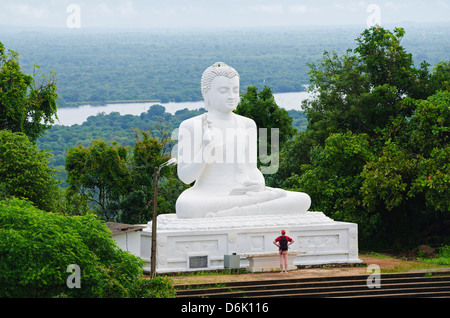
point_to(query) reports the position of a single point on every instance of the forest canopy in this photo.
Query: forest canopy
(101, 65)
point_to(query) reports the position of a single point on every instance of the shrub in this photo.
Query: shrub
(24, 171)
(36, 248)
(442, 258)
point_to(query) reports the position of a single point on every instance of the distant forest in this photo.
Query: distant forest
(115, 65)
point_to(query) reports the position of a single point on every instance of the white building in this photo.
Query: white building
(127, 236)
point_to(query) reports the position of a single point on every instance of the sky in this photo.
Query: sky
(213, 13)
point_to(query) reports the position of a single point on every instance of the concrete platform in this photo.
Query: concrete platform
(201, 244)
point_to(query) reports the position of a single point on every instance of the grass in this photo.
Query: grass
(411, 266)
(442, 260)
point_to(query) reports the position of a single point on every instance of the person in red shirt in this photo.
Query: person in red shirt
(283, 243)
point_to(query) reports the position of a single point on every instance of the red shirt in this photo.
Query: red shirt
(279, 239)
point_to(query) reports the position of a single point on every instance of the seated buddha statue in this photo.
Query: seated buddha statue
(217, 152)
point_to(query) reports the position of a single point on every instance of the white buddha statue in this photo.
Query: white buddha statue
(217, 151)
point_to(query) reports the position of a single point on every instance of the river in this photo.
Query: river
(78, 115)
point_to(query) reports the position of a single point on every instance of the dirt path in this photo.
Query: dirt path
(385, 263)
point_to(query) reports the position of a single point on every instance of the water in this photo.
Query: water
(78, 115)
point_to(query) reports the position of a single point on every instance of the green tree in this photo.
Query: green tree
(24, 171)
(25, 105)
(100, 173)
(36, 248)
(363, 90)
(148, 153)
(430, 137)
(262, 108)
(146, 156)
(386, 62)
(340, 86)
(408, 183)
(120, 180)
(293, 156)
(374, 100)
(269, 118)
(333, 180)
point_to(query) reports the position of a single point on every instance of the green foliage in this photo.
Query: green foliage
(442, 258)
(386, 62)
(376, 148)
(24, 106)
(332, 179)
(137, 204)
(340, 86)
(36, 247)
(24, 171)
(111, 66)
(388, 179)
(119, 180)
(408, 183)
(361, 92)
(262, 108)
(99, 172)
(429, 127)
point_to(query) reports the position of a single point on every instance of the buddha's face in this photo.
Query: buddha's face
(223, 95)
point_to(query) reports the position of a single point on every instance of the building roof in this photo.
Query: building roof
(119, 228)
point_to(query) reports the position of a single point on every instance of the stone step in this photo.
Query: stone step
(342, 286)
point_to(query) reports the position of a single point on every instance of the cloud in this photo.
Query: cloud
(123, 9)
(266, 8)
(27, 11)
(350, 7)
(104, 9)
(444, 4)
(126, 9)
(212, 13)
(393, 6)
(299, 8)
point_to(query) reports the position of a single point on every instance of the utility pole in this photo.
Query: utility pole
(156, 175)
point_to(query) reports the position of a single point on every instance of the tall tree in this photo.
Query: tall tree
(363, 90)
(146, 155)
(24, 171)
(100, 173)
(25, 105)
(270, 119)
(376, 147)
(262, 108)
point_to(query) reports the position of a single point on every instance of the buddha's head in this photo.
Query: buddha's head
(220, 87)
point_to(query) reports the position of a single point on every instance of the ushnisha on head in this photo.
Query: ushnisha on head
(217, 69)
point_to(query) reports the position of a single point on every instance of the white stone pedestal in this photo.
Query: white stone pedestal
(200, 244)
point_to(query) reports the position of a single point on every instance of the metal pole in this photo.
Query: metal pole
(154, 220)
(171, 162)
